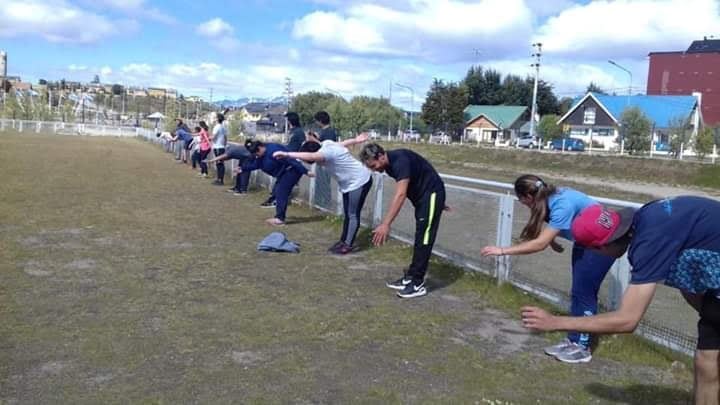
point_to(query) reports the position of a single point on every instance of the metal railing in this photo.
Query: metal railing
(71, 128)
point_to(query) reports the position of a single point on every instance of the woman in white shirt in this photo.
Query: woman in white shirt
(219, 140)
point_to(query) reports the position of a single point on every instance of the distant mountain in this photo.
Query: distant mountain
(246, 100)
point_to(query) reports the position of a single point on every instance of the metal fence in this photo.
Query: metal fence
(483, 213)
(69, 128)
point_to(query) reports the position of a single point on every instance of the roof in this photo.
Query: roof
(260, 107)
(705, 46)
(502, 116)
(661, 110)
(525, 127)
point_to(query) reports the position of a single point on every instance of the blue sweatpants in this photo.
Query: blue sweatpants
(588, 272)
(284, 186)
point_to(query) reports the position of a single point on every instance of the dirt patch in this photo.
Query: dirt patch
(504, 335)
(81, 264)
(36, 269)
(246, 358)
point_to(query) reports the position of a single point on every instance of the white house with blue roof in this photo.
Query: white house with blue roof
(595, 118)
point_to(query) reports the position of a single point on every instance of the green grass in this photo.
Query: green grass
(128, 279)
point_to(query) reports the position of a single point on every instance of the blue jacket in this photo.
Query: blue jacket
(273, 167)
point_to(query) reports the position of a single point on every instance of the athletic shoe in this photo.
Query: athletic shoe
(268, 204)
(332, 248)
(342, 249)
(274, 222)
(232, 190)
(240, 193)
(413, 290)
(201, 175)
(205, 175)
(554, 350)
(218, 183)
(574, 353)
(399, 284)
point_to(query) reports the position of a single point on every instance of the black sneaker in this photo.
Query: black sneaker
(232, 190)
(268, 204)
(332, 248)
(413, 290)
(399, 284)
(342, 249)
(218, 183)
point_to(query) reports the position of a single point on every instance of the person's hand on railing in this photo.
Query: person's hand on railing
(492, 251)
(380, 234)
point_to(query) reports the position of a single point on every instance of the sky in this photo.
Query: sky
(246, 48)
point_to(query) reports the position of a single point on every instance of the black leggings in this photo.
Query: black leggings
(353, 202)
(220, 166)
(203, 165)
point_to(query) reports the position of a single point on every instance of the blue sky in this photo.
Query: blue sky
(246, 48)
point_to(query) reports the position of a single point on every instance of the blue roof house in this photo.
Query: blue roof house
(595, 118)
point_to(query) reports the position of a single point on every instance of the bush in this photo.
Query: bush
(637, 130)
(704, 142)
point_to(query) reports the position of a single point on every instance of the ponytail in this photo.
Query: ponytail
(253, 146)
(531, 186)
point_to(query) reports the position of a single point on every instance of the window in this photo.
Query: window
(589, 117)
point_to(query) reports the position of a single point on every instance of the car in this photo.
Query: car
(440, 137)
(569, 144)
(373, 134)
(527, 141)
(662, 147)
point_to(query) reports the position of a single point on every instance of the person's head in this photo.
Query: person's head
(197, 129)
(374, 157)
(323, 118)
(293, 119)
(309, 147)
(220, 118)
(533, 192)
(605, 230)
(178, 121)
(256, 148)
(203, 125)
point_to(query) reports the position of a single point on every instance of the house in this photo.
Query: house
(271, 123)
(156, 92)
(494, 123)
(253, 112)
(193, 99)
(595, 118)
(696, 69)
(171, 93)
(136, 92)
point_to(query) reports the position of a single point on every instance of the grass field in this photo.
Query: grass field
(125, 278)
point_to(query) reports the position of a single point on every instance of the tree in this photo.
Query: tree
(42, 82)
(594, 88)
(680, 134)
(704, 142)
(96, 79)
(444, 106)
(117, 89)
(564, 105)
(637, 130)
(487, 87)
(307, 104)
(548, 127)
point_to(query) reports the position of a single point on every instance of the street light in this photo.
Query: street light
(412, 102)
(626, 71)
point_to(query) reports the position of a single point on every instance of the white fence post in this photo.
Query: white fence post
(682, 150)
(311, 186)
(622, 146)
(378, 208)
(20, 127)
(506, 207)
(714, 155)
(338, 202)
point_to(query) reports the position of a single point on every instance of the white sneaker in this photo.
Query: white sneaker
(574, 353)
(554, 350)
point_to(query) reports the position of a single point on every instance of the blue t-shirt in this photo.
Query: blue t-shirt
(274, 167)
(677, 240)
(564, 206)
(184, 135)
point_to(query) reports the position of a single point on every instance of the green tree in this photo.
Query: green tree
(117, 89)
(307, 104)
(680, 134)
(170, 115)
(704, 142)
(12, 106)
(594, 88)
(96, 79)
(548, 127)
(637, 130)
(564, 105)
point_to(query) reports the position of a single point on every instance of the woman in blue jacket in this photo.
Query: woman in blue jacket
(287, 173)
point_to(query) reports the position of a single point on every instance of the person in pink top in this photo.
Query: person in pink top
(205, 146)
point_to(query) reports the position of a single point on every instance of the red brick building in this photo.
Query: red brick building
(685, 72)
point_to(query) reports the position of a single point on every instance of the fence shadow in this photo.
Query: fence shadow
(442, 275)
(640, 394)
(305, 220)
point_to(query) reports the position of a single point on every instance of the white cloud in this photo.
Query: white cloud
(53, 20)
(215, 28)
(75, 68)
(106, 71)
(134, 8)
(438, 30)
(628, 28)
(137, 69)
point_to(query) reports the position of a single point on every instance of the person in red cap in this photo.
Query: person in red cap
(674, 241)
(552, 210)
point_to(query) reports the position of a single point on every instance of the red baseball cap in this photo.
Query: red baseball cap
(596, 225)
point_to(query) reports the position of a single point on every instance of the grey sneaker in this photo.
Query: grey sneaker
(574, 353)
(554, 350)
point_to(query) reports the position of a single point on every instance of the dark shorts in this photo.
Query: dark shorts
(187, 145)
(709, 323)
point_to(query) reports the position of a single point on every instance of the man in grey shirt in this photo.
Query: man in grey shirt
(241, 154)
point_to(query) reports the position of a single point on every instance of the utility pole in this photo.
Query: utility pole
(390, 102)
(289, 95)
(537, 54)
(211, 94)
(412, 102)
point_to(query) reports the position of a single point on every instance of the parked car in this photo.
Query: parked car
(662, 147)
(571, 144)
(439, 137)
(527, 141)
